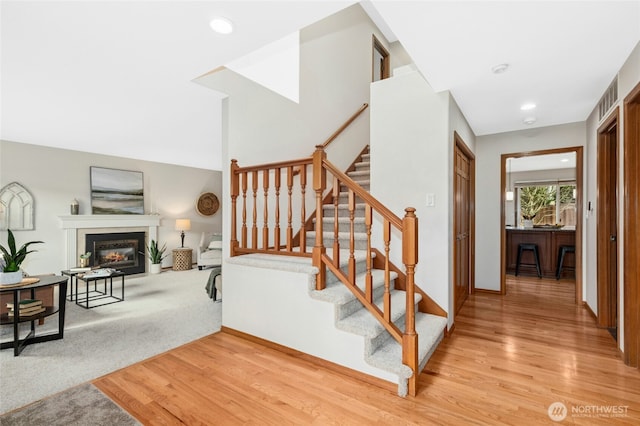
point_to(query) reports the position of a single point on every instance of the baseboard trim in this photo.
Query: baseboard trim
(383, 384)
(449, 331)
(486, 291)
(588, 308)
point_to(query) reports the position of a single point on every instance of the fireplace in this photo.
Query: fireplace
(119, 250)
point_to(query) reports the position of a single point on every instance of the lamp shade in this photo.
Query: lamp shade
(183, 224)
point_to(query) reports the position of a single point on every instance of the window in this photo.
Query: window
(547, 203)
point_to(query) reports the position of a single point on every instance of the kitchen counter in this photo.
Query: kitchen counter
(549, 240)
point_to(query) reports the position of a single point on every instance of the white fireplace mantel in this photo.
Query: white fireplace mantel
(72, 223)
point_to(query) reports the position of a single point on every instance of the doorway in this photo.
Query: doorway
(632, 228)
(381, 65)
(607, 224)
(463, 222)
(578, 212)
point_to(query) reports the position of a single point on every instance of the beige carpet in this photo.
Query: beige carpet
(81, 405)
(160, 312)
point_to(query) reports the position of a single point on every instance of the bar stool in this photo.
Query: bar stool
(531, 247)
(562, 250)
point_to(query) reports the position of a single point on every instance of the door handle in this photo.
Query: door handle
(612, 238)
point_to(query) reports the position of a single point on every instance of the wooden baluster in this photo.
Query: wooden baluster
(319, 185)
(336, 223)
(410, 259)
(368, 216)
(303, 211)
(245, 178)
(235, 190)
(387, 271)
(265, 228)
(276, 230)
(254, 228)
(290, 207)
(352, 244)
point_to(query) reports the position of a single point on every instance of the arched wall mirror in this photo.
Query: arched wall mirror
(16, 208)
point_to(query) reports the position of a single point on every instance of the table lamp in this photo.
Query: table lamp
(183, 225)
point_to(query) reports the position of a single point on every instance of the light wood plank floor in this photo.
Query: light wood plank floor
(508, 359)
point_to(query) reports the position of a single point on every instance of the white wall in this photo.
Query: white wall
(412, 150)
(489, 148)
(289, 316)
(261, 126)
(628, 78)
(56, 176)
(410, 153)
(335, 72)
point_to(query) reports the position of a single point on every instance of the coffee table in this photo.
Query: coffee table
(96, 294)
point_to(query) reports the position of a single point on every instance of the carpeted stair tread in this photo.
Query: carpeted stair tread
(359, 173)
(282, 263)
(341, 220)
(338, 293)
(430, 329)
(342, 206)
(328, 235)
(364, 324)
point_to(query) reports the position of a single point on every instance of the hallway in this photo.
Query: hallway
(508, 359)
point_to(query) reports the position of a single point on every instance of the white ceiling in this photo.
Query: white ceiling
(565, 160)
(116, 77)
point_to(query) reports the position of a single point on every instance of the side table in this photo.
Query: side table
(46, 281)
(182, 259)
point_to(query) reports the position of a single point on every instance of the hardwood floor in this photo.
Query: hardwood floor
(509, 358)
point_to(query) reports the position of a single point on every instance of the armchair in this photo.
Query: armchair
(209, 250)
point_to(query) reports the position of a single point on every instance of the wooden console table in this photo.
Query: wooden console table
(46, 281)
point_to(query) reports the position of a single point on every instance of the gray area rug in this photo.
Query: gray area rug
(160, 312)
(81, 405)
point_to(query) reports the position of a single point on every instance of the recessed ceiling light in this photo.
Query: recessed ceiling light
(529, 120)
(221, 25)
(499, 69)
(565, 160)
(528, 107)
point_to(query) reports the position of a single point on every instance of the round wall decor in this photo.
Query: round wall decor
(207, 204)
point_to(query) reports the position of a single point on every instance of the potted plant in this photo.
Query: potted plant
(527, 219)
(12, 259)
(84, 259)
(156, 254)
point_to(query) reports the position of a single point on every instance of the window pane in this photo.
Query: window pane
(567, 205)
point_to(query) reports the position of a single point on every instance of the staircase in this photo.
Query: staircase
(377, 309)
(380, 350)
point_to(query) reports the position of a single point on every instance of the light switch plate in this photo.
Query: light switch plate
(431, 200)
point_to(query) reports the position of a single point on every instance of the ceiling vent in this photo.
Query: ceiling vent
(608, 100)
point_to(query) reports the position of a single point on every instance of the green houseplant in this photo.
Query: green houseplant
(12, 259)
(156, 255)
(84, 259)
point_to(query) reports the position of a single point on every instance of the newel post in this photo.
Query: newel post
(319, 185)
(235, 191)
(410, 259)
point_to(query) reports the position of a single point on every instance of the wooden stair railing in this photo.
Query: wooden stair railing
(269, 241)
(275, 239)
(407, 226)
(345, 125)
